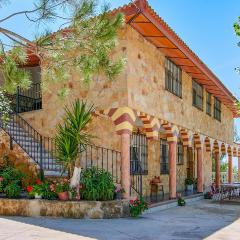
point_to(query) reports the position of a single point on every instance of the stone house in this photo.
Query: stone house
(166, 115)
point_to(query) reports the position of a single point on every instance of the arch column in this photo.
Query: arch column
(124, 118)
(172, 169)
(230, 168)
(200, 170)
(198, 144)
(217, 168)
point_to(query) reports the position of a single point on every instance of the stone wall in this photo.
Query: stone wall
(146, 92)
(82, 209)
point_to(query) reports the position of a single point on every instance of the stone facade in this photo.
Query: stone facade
(140, 87)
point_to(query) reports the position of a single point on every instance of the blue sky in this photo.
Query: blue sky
(206, 26)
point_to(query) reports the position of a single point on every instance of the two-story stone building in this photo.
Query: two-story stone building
(167, 113)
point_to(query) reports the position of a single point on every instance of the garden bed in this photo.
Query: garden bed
(66, 209)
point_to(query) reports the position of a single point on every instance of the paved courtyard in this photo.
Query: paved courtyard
(199, 220)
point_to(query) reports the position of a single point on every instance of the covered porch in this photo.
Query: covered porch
(152, 147)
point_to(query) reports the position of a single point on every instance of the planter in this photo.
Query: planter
(63, 196)
(189, 188)
(38, 196)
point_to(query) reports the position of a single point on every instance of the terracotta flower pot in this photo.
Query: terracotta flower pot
(63, 196)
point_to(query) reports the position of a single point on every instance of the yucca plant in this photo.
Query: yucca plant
(72, 136)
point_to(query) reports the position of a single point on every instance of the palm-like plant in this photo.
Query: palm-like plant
(72, 135)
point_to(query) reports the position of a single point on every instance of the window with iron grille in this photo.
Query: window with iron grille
(173, 78)
(197, 94)
(180, 153)
(164, 157)
(209, 104)
(139, 154)
(217, 109)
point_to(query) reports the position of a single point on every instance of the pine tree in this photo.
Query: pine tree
(83, 43)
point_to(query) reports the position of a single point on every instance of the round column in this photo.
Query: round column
(125, 164)
(230, 169)
(172, 170)
(217, 168)
(199, 170)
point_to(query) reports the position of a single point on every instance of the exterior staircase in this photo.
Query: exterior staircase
(40, 149)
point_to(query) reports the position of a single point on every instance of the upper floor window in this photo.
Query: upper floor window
(138, 154)
(197, 94)
(173, 78)
(164, 157)
(217, 109)
(209, 103)
(180, 153)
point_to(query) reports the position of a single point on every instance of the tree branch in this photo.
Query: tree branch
(13, 34)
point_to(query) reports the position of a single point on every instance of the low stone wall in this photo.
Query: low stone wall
(82, 209)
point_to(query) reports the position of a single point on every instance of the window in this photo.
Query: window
(173, 78)
(164, 157)
(209, 104)
(197, 94)
(217, 109)
(180, 153)
(138, 154)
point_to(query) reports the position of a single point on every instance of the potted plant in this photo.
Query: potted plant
(208, 195)
(137, 207)
(118, 192)
(62, 187)
(181, 201)
(189, 184)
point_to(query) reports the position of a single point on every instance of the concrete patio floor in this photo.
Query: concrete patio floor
(199, 220)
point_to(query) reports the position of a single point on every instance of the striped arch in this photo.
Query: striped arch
(229, 150)
(223, 149)
(151, 125)
(197, 140)
(190, 140)
(185, 137)
(207, 144)
(123, 118)
(171, 131)
(235, 151)
(216, 146)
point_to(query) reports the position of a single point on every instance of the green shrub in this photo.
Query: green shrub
(11, 174)
(97, 185)
(12, 190)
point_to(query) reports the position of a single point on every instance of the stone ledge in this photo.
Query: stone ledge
(68, 209)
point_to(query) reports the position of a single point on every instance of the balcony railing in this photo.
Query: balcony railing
(27, 100)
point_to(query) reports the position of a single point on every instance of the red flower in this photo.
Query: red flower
(29, 188)
(131, 201)
(38, 181)
(1, 179)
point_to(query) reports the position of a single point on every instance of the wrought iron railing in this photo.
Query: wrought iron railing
(136, 173)
(43, 149)
(26, 100)
(100, 157)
